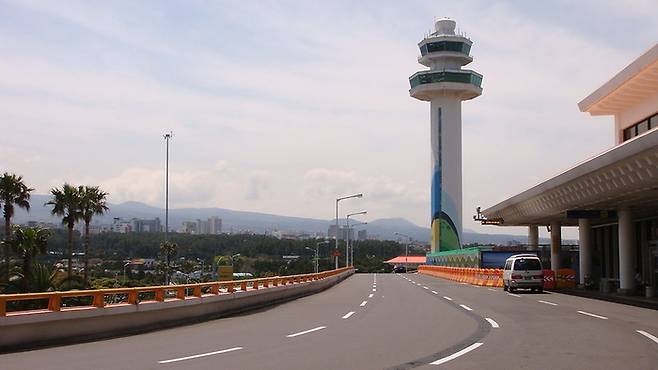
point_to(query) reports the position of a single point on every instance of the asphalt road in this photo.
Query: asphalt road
(382, 322)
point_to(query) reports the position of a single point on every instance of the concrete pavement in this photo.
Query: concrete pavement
(386, 321)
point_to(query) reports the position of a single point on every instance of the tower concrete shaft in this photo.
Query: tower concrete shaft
(445, 85)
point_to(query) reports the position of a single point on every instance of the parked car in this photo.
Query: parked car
(523, 271)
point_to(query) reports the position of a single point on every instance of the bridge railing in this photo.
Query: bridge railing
(100, 298)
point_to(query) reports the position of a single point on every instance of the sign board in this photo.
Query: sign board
(336, 253)
(225, 273)
(290, 257)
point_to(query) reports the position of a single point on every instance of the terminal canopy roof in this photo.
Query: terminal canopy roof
(624, 176)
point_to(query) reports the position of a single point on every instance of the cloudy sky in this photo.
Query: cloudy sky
(281, 106)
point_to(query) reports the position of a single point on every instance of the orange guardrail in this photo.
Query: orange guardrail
(494, 277)
(160, 293)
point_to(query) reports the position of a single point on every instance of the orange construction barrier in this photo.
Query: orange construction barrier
(566, 278)
(549, 279)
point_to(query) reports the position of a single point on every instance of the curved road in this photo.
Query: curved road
(383, 322)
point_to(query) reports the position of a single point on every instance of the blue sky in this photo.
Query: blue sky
(280, 106)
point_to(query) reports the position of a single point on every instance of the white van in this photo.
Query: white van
(523, 271)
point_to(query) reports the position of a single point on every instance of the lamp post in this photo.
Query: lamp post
(167, 137)
(124, 271)
(317, 255)
(360, 195)
(352, 247)
(406, 251)
(347, 237)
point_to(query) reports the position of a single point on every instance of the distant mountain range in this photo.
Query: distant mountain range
(384, 228)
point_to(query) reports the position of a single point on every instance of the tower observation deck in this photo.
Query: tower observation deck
(445, 85)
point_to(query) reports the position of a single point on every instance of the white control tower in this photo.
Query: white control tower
(445, 85)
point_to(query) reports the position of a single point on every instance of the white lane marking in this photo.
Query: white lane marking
(593, 315)
(463, 283)
(370, 295)
(435, 292)
(493, 290)
(305, 332)
(448, 298)
(347, 315)
(425, 287)
(200, 355)
(363, 303)
(514, 295)
(653, 338)
(456, 354)
(374, 289)
(493, 323)
(466, 307)
(548, 303)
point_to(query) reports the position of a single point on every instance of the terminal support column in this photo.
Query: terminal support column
(556, 243)
(533, 237)
(626, 251)
(585, 249)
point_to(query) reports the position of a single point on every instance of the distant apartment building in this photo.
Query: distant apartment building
(342, 232)
(211, 226)
(362, 235)
(121, 226)
(146, 225)
(137, 225)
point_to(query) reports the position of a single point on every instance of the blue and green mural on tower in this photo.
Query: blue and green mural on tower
(446, 233)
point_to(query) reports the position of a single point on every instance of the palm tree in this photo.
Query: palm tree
(27, 243)
(66, 203)
(13, 192)
(92, 202)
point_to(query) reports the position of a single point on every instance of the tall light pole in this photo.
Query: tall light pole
(360, 195)
(406, 251)
(347, 237)
(317, 255)
(352, 247)
(167, 137)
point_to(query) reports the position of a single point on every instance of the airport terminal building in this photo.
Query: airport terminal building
(613, 197)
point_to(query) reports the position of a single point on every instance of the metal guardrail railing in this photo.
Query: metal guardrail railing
(118, 296)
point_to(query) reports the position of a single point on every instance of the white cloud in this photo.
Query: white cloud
(281, 108)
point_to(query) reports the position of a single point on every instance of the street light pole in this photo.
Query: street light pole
(406, 252)
(360, 195)
(317, 255)
(347, 237)
(167, 137)
(352, 247)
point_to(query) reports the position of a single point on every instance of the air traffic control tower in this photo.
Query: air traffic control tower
(445, 85)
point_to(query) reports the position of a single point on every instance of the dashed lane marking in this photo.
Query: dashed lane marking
(200, 355)
(652, 337)
(370, 295)
(493, 323)
(466, 307)
(548, 303)
(514, 295)
(456, 354)
(347, 315)
(448, 298)
(305, 332)
(435, 292)
(363, 303)
(593, 315)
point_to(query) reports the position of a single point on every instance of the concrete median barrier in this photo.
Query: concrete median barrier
(58, 324)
